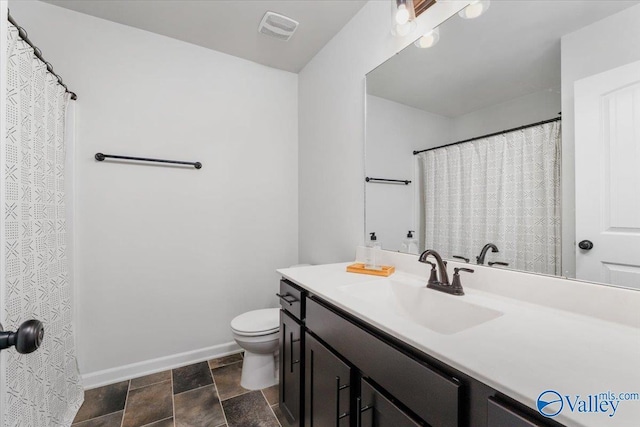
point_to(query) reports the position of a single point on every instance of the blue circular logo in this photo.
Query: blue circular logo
(550, 403)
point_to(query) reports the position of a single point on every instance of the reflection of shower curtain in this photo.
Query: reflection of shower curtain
(42, 388)
(504, 190)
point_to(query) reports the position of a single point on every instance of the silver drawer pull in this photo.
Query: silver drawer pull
(339, 387)
(361, 409)
(288, 298)
(292, 362)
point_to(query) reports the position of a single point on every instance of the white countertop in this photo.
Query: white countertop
(529, 349)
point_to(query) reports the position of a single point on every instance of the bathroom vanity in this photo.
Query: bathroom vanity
(353, 352)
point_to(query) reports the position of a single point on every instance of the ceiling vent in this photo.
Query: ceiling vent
(278, 26)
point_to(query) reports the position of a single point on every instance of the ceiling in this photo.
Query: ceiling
(510, 51)
(231, 26)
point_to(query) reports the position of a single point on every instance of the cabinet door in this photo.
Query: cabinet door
(290, 362)
(327, 387)
(500, 415)
(375, 410)
(430, 394)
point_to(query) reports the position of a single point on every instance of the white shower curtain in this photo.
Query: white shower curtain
(503, 190)
(42, 388)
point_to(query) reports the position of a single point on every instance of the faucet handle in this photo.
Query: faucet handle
(433, 277)
(456, 285)
(498, 263)
(461, 257)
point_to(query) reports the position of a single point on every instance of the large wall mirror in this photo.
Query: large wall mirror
(513, 140)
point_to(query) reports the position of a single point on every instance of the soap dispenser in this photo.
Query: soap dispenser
(371, 256)
(410, 244)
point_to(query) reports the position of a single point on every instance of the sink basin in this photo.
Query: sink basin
(409, 298)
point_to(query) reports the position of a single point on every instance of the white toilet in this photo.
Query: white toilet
(257, 333)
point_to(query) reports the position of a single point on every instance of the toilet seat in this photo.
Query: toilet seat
(257, 322)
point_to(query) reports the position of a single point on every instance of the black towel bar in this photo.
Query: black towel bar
(392, 181)
(100, 157)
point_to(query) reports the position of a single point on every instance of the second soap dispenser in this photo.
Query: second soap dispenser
(410, 244)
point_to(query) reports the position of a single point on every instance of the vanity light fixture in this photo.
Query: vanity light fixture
(475, 9)
(402, 17)
(428, 39)
(402, 14)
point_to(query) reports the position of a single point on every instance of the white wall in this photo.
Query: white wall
(331, 129)
(601, 46)
(167, 256)
(393, 131)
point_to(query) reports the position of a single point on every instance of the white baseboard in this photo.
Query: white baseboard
(134, 370)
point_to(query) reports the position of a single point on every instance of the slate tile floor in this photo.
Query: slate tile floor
(206, 394)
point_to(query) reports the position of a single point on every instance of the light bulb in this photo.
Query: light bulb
(402, 22)
(428, 39)
(474, 9)
(402, 15)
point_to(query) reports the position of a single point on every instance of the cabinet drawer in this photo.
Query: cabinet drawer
(430, 394)
(500, 415)
(292, 299)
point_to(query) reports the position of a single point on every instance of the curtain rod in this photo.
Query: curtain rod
(492, 134)
(38, 53)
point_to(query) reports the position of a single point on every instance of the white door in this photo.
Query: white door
(607, 156)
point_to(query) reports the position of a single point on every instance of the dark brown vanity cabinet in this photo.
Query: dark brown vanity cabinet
(338, 371)
(327, 397)
(291, 351)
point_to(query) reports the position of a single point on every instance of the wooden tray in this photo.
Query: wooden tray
(358, 267)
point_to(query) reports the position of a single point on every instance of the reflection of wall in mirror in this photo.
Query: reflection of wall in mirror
(531, 108)
(394, 130)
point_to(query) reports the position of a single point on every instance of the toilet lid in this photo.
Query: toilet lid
(257, 322)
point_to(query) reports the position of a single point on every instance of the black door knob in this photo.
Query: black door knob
(26, 339)
(586, 245)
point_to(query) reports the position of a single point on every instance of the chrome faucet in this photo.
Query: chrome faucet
(483, 252)
(442, 285)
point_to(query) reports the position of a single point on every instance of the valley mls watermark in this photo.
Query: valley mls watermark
(551, 403)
